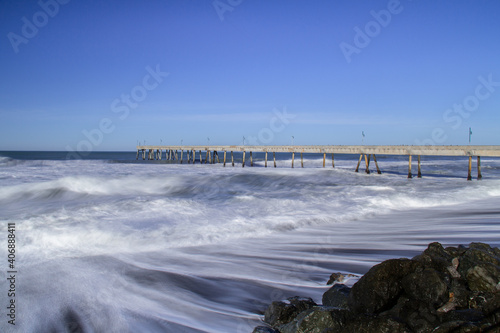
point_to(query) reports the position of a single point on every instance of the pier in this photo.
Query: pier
(366, 153)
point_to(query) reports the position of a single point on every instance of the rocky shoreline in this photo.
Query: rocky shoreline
(453, 289)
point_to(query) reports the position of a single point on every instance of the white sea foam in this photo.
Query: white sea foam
(203, 248)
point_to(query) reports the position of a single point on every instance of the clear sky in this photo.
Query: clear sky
(102, 75)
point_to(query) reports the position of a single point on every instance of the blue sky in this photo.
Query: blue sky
(103, 75)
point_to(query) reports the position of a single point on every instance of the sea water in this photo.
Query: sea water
(111, 244)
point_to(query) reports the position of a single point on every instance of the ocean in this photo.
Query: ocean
(112, 244)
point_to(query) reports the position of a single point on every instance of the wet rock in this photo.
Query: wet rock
(379, 288)
(484, 277)
(456, 327)
(379, 325)
(264, 329)
(337, 296)
(317, 320)
(279, 313)
(426, 285)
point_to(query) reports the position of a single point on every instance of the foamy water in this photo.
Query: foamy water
(143, 247)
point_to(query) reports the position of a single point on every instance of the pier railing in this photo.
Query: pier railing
(367, 152)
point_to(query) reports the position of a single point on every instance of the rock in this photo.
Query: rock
(435, 256)
(467, 315)
(456, 327)
(339, 278)
(317, 320)
(378, 325)
(426, 285)
(484, 277)
(479, 254)
(379, 288)
(337, 296)
(279, 313)
(264, 329)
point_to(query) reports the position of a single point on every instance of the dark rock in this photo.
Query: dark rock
(279, 313)
(426, 285)
(317, 320)
(379, 288)
(264, 329)
(484, 277)
(418, 316)
(435, 256)
(477, 255)
(337, 296)
(467, 315)
(456, 327)
(378, 325)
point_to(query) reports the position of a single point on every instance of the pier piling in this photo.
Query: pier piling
(419, 175)
(376, 164)
(479, 175)
(469, 174)
(367, 162)
(359, 162)
(409, 167)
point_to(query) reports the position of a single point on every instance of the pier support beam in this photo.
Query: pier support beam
(301, 160)
(479, 175)
(217, 154)
(137, 155)
(143, 154)
(225, 158)
(201, 158)
(367, 162)
(333, 162)
(243, 164)
(182, 151)
(265, 163)
(469, 175)
(359, 162)
(232, 158)
(293, 158)
(274, 158)
(409, 168)
(376, 164)
(419, 175)
(251, 159)
(324, 159)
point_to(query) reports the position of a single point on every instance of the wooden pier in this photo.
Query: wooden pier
(176, 153)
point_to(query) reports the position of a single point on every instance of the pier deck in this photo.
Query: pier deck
(368, 152)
